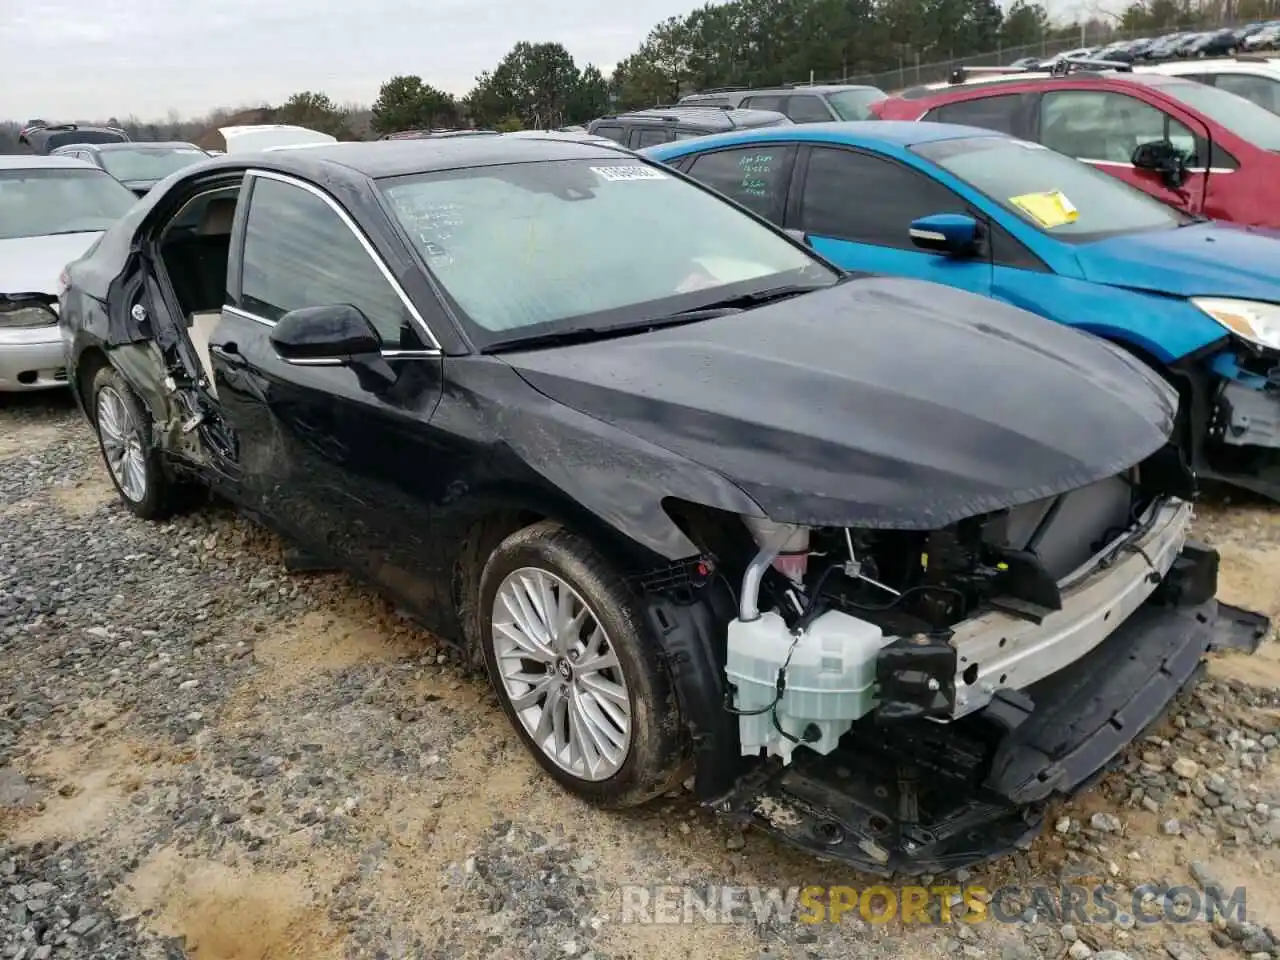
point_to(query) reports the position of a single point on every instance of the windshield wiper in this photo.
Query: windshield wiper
(709, 311)
(745, 301)
(562, 338)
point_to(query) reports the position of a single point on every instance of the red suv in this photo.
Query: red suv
(1196, 147)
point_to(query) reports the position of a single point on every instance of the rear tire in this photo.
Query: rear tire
(124, 437)
(576, 671)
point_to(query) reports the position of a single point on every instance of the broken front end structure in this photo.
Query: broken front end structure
(911, 701)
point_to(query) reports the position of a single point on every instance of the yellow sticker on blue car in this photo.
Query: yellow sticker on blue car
(1049, 209)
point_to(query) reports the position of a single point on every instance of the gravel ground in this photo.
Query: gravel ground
(203, 756)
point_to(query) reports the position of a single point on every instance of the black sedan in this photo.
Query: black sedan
(694, 498)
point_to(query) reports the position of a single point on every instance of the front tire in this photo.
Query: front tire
(575, 668)
(124, 437)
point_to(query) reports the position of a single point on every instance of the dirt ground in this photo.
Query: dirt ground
(248, 765)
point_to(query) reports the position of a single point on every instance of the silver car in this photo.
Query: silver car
(52, 209)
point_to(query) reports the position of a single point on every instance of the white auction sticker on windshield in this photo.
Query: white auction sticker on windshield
(631, 172)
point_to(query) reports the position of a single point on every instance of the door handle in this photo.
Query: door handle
(228, 349)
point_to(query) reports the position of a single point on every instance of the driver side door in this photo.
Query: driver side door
(328, 453)
(857, 210)
(1102, 128)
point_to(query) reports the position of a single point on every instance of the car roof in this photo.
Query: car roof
(854, 133)
(704, 116)
(141, 145)
(32, 162)
(805, 88)
(379, 159)
(1255, 65)
(1037, 77)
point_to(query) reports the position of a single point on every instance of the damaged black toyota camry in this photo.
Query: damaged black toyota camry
(888, 567)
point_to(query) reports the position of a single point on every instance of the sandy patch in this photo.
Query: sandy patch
(230, 912)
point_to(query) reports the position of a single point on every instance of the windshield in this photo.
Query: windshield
(855, 104)
(1244, 118)
(148, 163)
(1054, 193)
(535, 248)
(40, 202)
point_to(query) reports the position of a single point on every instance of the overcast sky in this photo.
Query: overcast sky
(68, 59)
(82, 59)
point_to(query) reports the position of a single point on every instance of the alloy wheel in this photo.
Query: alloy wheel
(122, 444)
(561, 674)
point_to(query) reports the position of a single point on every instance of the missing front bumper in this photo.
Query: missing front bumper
(925, 797)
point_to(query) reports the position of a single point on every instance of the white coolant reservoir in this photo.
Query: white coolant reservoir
(830, 679)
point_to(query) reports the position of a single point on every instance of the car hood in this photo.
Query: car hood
(1202, 259)
(879, 402)
(33, 264)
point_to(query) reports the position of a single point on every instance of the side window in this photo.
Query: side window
(1000, 113)
(1096, 125)
(1263, 91)
(651, 137)
(612, 131)
(767, 101)
(689, 134)
(299, 253)
(853, 196)
(756, 178)
(806, 108)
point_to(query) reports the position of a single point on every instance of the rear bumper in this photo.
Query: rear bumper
(31, 359)
(928, 797)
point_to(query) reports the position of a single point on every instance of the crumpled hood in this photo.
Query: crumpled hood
(33, 264)
(1203, 259)
(880, 402)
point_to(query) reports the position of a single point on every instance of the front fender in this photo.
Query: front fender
(613, 479)
(1165, 328)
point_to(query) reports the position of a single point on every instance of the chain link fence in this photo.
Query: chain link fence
(912, 71)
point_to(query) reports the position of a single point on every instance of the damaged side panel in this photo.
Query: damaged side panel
(161, 364)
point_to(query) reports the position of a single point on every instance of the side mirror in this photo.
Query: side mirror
(956, 234)
(329, 335)
(1162, 157)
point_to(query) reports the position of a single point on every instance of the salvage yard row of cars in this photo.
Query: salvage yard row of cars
(846, 467)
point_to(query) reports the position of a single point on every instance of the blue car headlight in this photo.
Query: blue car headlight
(1252, 320)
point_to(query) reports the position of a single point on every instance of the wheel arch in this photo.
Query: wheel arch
(490, 523)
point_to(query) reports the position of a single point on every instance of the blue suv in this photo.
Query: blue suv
(1199, 301)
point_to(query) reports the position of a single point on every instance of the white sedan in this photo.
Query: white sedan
(51, 210)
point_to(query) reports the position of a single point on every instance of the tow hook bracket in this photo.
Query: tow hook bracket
(916, 677)
(1193, 578)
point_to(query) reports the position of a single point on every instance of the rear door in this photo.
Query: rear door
(758, 177)
(1102, 128)
(650, 136)
(328, 455)
(857, 209)
(1010, 113)
(808, 108)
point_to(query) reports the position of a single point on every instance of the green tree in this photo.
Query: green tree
(536, 82)
(407, 103)
(590, 98)
(315, 111)
(1024, 25)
